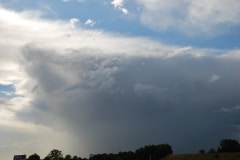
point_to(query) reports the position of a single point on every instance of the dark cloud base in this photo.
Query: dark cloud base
(115, 103)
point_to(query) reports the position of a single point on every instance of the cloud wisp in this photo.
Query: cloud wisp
(100, 92)
(119, 4)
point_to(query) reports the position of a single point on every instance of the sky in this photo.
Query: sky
(91, 76)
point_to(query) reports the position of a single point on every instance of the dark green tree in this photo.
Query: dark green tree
(46, 158)
(75, 158)
(149, 152)
(125, 156)
(34, 157)
(54, 155)
(153, 152)
(68, 157)
(229, 145)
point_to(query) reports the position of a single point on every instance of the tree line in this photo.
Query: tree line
(225, 145)
(148, 152)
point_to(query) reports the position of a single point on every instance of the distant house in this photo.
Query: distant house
(20, 157)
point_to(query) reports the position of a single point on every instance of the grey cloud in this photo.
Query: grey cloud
(3, 102)
(113, 102)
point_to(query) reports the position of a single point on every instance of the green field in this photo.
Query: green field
(208, 156)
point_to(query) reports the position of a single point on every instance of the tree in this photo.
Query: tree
(54, 155)
(153, 152)
(75, 158)
(202, 151)
(212, 150)
(34, 157)
(229, 145)
(68, 157)
(125, 155)
(46, 158)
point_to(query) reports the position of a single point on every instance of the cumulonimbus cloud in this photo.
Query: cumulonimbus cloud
(100, 92)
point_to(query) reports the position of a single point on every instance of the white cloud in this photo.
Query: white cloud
(74, 22)
(90, 23)
(119, 4)
(190, 17)
(124, 10)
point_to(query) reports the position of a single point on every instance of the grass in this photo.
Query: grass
(207, 156)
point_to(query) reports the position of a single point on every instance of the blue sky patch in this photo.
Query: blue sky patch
(7, 91)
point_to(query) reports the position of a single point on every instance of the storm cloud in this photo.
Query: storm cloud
(89, 91)
(114, 102)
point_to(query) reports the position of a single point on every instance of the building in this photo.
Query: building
(20, 157)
